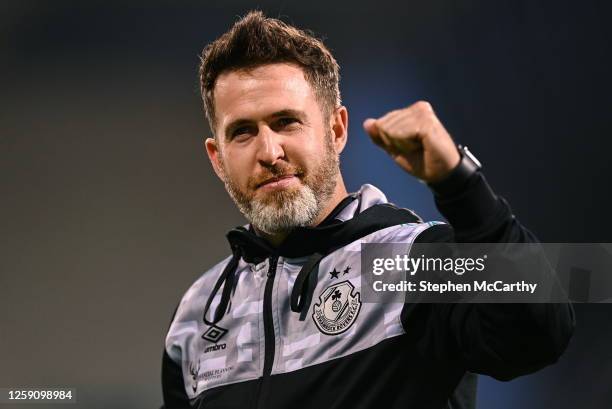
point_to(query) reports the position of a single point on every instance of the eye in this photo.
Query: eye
(242, 132)
(286, 122)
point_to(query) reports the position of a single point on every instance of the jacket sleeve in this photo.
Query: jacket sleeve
(173, 385)
(500, 340)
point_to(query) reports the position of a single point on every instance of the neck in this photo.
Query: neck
(276, 239)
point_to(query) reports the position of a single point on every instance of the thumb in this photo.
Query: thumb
(370, 127)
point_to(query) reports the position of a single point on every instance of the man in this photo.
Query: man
(254, 331)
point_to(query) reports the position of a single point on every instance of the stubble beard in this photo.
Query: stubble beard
(282, 210)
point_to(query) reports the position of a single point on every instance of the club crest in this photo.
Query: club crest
(337, 309)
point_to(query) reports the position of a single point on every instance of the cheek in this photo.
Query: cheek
(237, 166)
(307, 151)
(316, 154)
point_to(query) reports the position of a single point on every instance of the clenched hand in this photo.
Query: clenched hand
(416, 140)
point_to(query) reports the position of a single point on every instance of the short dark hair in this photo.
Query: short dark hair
(257, 40)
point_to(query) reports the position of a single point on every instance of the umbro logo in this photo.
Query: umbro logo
(214, 334)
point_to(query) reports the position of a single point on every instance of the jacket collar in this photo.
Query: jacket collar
(359, 214)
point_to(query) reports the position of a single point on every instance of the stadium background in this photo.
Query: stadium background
(110, 209)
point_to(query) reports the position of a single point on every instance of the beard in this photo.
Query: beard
(282, 210)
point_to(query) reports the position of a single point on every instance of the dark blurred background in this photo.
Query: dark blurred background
(110, 209)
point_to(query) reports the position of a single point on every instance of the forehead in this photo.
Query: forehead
(253, 93)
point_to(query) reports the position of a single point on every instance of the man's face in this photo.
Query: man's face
(274, 149)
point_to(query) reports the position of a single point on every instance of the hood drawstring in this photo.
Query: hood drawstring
(226, 279)
(304, 285)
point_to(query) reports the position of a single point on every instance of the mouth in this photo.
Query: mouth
(278, 182)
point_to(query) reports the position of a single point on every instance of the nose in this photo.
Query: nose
(270, 147)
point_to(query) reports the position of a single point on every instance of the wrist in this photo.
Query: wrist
(459, 176)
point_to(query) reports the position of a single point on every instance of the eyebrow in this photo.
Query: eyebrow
(243, 121)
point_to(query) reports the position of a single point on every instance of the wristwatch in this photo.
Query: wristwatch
(468, 164)
(456, 180)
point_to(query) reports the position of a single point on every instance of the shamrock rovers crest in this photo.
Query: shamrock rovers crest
(337, 309)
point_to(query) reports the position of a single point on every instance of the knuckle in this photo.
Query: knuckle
(424, 106)
(389, 116)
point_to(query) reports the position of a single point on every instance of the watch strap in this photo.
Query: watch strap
(459, 176)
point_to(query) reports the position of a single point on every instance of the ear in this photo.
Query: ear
(339, 125)
(212, 149)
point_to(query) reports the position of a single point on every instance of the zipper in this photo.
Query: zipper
(269, 345)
